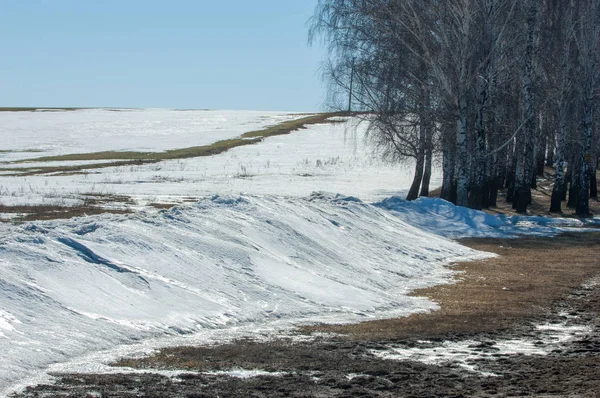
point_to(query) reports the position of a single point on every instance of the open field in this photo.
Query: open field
(124, 158)
(245, 263)
(29, 109)
(292, 160)
(215, 148)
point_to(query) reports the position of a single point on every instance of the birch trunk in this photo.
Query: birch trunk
(448, 166)
(462, 165)
(428, 163)
(524, 191)
(583, 199)
(413, 193)
(558, 192)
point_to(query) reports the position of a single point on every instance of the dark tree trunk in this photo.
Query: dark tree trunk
(448, 159)
(510, 185)
(559, 188)
(461, 172)
(522, 200)
(519, 170)
(541, 156)
(574, 186)
(583, 200)
(426, 175)
(428, 157)
(413, 193)
(594, 181)
(448, 185)
(493, 192)
(551, 150)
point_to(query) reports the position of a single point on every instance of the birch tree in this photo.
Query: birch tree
(479, 81)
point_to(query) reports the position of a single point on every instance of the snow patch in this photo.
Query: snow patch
(7, 322)
(467, 353)
(446, 219)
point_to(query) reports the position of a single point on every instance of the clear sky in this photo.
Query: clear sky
(216, 54)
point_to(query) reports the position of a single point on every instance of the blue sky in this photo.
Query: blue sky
(227, 54)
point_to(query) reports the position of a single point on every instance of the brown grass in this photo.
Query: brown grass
(92, 204)
(69, 170)
(28, 109)
(528, 276)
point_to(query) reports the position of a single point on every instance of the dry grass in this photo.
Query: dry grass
(92, 204)
(21, 150)
(28, 109)
(70, 170)
(162, 206)
(528, 276)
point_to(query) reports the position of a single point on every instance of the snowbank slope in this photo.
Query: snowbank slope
(71, 287)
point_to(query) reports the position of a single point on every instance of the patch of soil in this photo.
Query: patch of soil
(529, 274)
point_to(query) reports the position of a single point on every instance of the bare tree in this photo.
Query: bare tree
(478, 80)
(588, 42)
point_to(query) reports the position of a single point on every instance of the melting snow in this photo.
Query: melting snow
(466, 353)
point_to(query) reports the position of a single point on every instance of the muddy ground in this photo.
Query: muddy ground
(496, 302)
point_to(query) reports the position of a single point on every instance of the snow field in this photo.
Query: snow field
(327, 157)
(142, 130)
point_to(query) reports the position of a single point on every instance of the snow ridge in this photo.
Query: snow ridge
(71, 287)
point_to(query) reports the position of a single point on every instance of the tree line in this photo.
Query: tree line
(498, 89)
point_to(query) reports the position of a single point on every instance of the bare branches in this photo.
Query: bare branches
(493, 80)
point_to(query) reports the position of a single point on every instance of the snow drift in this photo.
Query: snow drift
(446, 219)
(71, 287)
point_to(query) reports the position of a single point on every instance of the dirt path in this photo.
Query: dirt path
(541, 297)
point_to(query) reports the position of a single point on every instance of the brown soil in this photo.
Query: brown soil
(533, 281)
(527, 277)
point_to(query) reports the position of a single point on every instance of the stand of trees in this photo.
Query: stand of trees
(498, 88)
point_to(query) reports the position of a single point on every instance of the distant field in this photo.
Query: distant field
(26, 109)
(160, 158)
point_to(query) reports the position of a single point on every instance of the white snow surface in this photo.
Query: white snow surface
(95, 130)
(444, 218)
(325, 157)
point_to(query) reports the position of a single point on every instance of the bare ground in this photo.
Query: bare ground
(535, 280)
